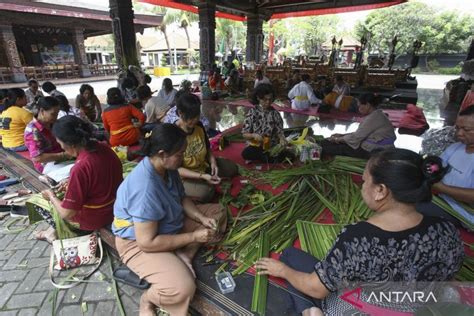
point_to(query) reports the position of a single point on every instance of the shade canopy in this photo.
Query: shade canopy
(278, 9)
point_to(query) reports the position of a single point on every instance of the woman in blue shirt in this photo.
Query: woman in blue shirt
(158, 229)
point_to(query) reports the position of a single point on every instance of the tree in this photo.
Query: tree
(184, 19)
(168, 19)
(230, 34)
(308, 33)
(446, 32)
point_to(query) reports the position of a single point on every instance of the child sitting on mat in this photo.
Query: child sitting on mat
(263, 127)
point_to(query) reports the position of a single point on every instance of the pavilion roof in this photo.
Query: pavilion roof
(278, 9)
(94, 22)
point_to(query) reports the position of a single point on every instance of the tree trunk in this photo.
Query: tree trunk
(169, 49)
(188, 58)
(226, 50)
(187, 36)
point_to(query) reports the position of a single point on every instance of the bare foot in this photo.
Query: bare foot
(187, 261)
(147, 308)
(48, 235)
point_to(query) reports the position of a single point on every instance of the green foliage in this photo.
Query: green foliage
(230, 34)
(435, 67)
(450, 71)
(308, 33)
(441, 32)
(163, 61)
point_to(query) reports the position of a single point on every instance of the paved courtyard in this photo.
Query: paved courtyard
(25, 288)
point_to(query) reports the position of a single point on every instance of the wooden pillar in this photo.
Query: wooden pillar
(254, 52)
(11, 52)
(121, 13)
(80, 53)
(207, 34)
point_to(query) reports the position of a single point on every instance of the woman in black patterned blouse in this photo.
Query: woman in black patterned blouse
(263, 127)
(396, 244)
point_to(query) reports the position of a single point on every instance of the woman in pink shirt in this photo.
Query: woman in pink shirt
(39, 139)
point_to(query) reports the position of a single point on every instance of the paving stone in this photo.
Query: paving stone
(8, 313)
(46, 308)
(26, 300)
(42, 262)
(44, 285)
(13, 275)
(68, 310)
(28, 312)
(31, 280)
(38, 249)
(6, 291)
(15, 260)
(46, 252)
(75, 292)
(6, 254)
(130, 306)
(25, 234)
(5, 241)
(104, 308)
(21, 244)
(127, 289)
(98, 292)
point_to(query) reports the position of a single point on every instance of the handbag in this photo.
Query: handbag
(73, 253)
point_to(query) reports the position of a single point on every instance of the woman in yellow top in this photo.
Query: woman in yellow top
(200, 170)
(13, 120)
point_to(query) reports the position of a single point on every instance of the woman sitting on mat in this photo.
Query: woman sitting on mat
(44, 150)
(374, 132)
(66, 109)
(93, 182)
(118, 120)
(158, 229)
(167, 92)
(13, 120)
(200, 171)
(263, 127)
(396, 244)
(88, 103)
(340, 102)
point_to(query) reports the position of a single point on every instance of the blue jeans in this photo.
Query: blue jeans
(304, 262)
(18, 148)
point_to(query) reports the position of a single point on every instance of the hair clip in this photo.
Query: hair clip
(432, 168)
(148, 135)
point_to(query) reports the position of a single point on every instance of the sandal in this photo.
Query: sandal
(125, 275)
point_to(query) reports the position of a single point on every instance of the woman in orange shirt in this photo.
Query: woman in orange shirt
(117, 118)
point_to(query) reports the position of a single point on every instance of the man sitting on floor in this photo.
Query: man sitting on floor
(458, 183)
(302, 95)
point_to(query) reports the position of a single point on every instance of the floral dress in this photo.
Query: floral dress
(364, 253)
(265, 123)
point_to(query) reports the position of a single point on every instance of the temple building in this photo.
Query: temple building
(46, 41)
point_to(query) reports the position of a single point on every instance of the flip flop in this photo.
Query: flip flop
(125, 275)
(5, 208)
(18, 193)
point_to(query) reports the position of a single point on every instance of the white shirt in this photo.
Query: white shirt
(302, 96)
(345, 89)
(73, 111)
(264, 80)
(30, 96)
